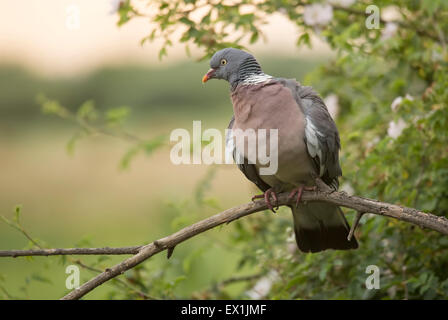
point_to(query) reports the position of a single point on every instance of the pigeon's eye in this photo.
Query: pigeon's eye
(223, 62)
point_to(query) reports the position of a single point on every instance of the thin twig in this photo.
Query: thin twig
(239, 279)
(16, 225)
(123, 283)
(358, 217)
(70, 251)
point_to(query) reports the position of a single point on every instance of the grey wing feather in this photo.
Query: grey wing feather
(321, 135)
(249, 170)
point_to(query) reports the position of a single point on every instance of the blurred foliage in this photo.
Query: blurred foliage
(407, 164)
(371, 70)
(118, 102)
(92, 122)
(148, 90)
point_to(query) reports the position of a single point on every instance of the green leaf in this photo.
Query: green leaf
(17, 211)
(304, 39)
(87, 111)
(70, 146)
(128, 156)
(254, 37)
(117, 115)
(162, 53)
(154, 144)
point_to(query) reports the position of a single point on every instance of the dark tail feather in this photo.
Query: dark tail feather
(319, 226)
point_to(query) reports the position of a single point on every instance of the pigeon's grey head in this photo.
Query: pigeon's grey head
(232, 65)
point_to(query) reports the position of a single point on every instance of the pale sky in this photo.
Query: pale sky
(41, 35)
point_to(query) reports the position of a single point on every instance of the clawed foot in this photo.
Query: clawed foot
(298, 191)
(267, 198)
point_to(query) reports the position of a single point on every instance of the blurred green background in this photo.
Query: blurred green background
(84, 198)
(386, 85)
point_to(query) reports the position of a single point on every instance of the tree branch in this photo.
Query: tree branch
(142, 253)
(414, 216)
(70, 251)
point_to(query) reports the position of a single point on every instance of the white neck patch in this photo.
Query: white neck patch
(257, 78)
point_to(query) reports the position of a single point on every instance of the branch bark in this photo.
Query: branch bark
(70, 251)
(142, 253)
(411, 215)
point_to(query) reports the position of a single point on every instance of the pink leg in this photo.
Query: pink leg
(299, 191)
(267, 198)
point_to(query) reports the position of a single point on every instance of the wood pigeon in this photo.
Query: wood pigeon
(308, 145)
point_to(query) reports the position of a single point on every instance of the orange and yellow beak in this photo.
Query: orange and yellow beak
(208, 75)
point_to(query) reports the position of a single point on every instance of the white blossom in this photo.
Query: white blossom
(342, 3)
(395, 128)
(399, 100)
(114, 6)
(389, 30)
(332, 103)
(396, 103)
(317, 14)
(263, 286)
(347, 188)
